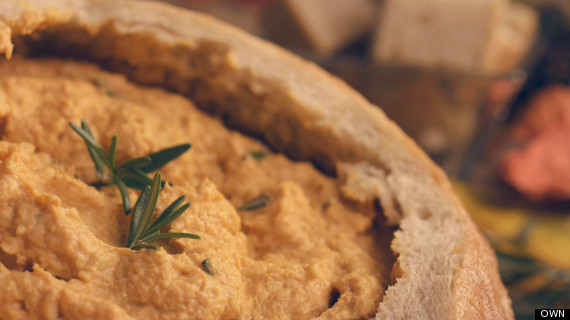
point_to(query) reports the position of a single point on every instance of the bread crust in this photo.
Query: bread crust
(447, 268)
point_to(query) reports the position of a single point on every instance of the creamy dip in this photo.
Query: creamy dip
(308, 253)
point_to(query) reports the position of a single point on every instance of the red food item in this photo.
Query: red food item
(540, 168)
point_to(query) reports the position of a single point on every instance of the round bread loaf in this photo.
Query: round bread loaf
(445, 268)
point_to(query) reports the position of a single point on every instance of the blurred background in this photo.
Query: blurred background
(482, 86)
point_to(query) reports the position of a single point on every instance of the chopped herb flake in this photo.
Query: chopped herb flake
(207, 265)
(258, 155)
(255, 203)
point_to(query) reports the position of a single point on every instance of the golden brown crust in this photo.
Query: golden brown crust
(448, 269)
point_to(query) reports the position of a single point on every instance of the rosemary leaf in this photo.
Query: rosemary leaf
(161, 158)
(113, 152)
(95, 147)
(169, 235)
(92, 145)
(149, 208)
(255, 203)
(169, 215)
(134, 183)
(138, 211)
(142, 245)
(99, 162)
(130, 175)
(133, 163)
(87, 133)
(125, 196)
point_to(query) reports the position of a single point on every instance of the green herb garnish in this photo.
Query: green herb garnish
(255, 203)
(207, 266)
(131, 173)
(140, 233)
(258, 155)
(99, 85)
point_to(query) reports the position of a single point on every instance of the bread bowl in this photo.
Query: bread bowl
(445, 269)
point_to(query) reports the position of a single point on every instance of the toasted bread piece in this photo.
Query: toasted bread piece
(321, 25)
(489, 36)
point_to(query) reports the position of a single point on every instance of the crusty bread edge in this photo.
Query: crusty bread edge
(449, 270)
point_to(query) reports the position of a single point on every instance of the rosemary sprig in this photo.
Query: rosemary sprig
(256, 203)
(140, 233)
(131, 173)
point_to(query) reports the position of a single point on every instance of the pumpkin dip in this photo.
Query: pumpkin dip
(307, 253)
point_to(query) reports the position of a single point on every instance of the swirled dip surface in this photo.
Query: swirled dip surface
(308, 253)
